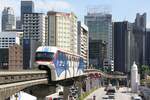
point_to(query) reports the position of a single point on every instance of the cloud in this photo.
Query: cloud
(57, 5)
(15, 4)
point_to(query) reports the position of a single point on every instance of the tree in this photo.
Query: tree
(144, 70)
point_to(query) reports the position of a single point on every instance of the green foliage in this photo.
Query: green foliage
(144, 70)
(84, 95)
(144, 81)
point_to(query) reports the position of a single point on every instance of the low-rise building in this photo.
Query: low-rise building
(10, 51)
(11, 58)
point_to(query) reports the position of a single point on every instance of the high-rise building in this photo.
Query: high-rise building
(100, 29)
(18, 24)
(8, 19)
(27, 6)
(139, 32)
(83, 43)
(97, 53)
(62, 30)
(129, 43)
(34, 27)
(140, 21)
(123, 43)
(147, 47)
(46, 30)
(33, 36)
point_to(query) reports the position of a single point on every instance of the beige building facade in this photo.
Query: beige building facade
(62, 30)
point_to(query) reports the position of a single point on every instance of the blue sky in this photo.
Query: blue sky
(120, 9)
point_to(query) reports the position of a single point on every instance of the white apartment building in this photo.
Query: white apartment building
(34, 27)
(62, 30)
(9, 38)
(46, 30)
(83, 36)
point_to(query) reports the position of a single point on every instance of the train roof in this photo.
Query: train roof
(47, 49)
(53, 49)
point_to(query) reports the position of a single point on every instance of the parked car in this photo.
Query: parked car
(136, 98)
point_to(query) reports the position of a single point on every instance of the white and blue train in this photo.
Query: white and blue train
(62, 64)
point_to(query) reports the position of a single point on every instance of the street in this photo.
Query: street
(100, 93)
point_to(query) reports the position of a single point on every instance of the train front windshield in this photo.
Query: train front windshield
(44, 56)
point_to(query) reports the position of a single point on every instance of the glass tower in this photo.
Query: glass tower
(8, 19)
(26, 7)
(100, 29)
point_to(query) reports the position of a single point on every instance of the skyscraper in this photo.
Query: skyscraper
(26, 7)
(100, 29)
(129, 43)
(139, 32)
(62, 30)
(33, 35)
(123, 43)
(8, 19)
(147, 47)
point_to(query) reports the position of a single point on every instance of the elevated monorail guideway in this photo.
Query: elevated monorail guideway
(7, 77)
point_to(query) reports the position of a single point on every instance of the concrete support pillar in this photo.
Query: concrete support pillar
(109, 81)
(100, 84)
(79, 85)
(93, 83)
(66, 92)
(117, 83)
(87, 85)
(103, 82)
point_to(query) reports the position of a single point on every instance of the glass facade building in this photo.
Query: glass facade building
(129, 43)
(26, 7)
(8, 19)
(147, 47)
(100, 29)
(123, 46)
(139, 32)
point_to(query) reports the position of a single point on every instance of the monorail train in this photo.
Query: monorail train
(61, 64)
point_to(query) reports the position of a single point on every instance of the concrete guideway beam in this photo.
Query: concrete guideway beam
(92, 71)
(7, 90)
(8, 77)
